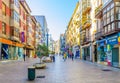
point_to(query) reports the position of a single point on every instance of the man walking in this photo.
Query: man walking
(24, 56)
(72, 55)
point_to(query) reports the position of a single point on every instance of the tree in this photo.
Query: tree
(42, 50)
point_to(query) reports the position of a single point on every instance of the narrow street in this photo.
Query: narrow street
(76, 71)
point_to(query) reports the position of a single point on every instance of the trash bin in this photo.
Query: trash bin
(31, 73)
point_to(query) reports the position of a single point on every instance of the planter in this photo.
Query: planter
(40, 65)
(47, 60)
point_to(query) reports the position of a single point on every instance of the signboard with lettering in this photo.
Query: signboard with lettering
(22, 37)
(112, 40)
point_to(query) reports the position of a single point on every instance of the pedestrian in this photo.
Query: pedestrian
(53, 58)
(65, 56)
(72, 56)
(24, 56)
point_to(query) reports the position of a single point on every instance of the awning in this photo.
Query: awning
(29, 47)
(9, 42)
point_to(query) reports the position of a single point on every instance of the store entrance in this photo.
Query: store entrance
(115, 57)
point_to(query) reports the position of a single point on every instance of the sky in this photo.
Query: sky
(57, 12)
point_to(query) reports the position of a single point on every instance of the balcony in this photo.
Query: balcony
(98, 35)
(98, 11)
(87, 24)
(86, 7)
(14, 38)
(115, 30)
(14, 23)
(4, 36)
(85, 40)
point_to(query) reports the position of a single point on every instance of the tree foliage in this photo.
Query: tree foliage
(42, 50)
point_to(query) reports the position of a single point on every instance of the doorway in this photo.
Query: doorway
(115, 57)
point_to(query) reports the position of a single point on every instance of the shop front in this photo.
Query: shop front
(86, 52)
(108, 50)
(101, 52)
(113, 50)
(10, 50)
(30, 51)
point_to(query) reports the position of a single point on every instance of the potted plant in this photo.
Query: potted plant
(41, 51)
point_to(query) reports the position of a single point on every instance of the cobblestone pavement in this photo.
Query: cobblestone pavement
(76, 71)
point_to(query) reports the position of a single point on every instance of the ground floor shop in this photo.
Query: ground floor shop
(108, 50)
(86, 52)
(10, 50)
(30, 51)
(76, 51)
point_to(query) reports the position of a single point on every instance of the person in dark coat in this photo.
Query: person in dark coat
(24, 56)
(53, 58)
(72, 56)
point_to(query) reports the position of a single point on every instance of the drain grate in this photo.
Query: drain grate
(40, 77)
(106, 70)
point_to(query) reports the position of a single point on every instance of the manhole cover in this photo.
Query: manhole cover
(40, 77)
(106, 70)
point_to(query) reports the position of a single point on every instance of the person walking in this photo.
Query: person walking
(72, 56)
(65, 56)
(24, 56)
(53, 58)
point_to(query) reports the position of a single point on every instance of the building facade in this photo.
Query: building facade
(5, 43)
(44, 29)
(17, 31)
(87, 28)
(72, 32)
(107, 36)
(62, 43)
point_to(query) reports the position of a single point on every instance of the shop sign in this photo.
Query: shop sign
(22, 36)
(102, 42)
(112, 40)
(118, 40)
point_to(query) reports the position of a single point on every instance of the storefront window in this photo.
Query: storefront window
(102, 54)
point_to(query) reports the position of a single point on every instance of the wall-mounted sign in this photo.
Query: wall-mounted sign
(112, 40)
(22, 37)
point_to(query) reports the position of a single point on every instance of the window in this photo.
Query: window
(16, 2)
(3, 9)
(112, 5)
(105, 29)
(117, 13)
(112, 26)
(16, 32)
(12, 31)
(3, 28)
(118, 24)
(104, 19)
(117, 3)
(15, 16)
(109, 28)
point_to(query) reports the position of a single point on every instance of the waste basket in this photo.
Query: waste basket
(31, 73)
